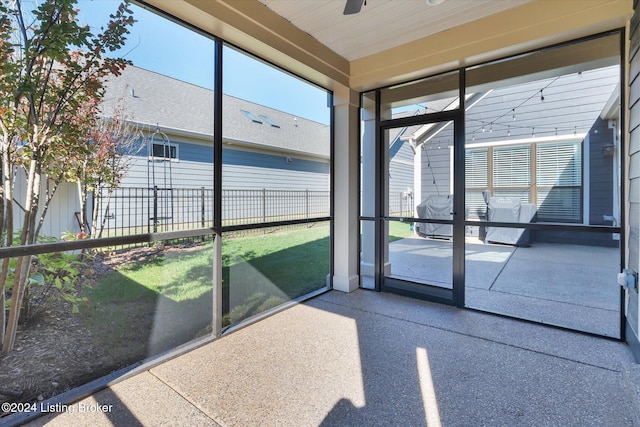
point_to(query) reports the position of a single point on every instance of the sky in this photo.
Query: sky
(162, 46)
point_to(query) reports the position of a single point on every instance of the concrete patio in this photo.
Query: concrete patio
(572, 286)
(368, 358)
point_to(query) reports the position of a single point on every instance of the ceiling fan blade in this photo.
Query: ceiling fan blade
(352, 7)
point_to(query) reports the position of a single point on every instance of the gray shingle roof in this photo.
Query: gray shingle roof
(154, 99)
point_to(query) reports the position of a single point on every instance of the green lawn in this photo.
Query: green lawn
(164, 298)
(177, 276)
(263, 271)
(399, 230)
(151, 303)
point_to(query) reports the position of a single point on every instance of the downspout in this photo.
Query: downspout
(613, 125)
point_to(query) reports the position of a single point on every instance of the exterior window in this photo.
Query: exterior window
(559, 181)
(261, 183)
(165, 151)
(512, 172)
(557, 171)
(476, 165)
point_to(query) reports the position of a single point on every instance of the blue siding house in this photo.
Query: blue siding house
(279, 149)
(275, 165)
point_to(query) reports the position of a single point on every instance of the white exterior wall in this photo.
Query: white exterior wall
(60, 214)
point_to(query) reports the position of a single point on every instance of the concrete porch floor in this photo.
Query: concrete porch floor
(367, 358)
(572, 286)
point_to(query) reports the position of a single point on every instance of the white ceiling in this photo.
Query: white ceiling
(381, 24)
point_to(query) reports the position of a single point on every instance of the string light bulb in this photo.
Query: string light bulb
(513, 117)
(541, 96)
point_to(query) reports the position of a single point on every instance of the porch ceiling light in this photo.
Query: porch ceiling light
(434, 2)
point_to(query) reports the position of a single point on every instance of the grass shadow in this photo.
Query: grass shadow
(154, 303)
(145, 308)
(254, 283)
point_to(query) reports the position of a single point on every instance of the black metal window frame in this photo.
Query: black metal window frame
(214, 232)
(456, 296)
(217, 229)
(218, 226)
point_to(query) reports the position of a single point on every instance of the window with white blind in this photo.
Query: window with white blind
(559, 164)
(558, 178)
(559, 181)
(524, 195)
(512, 167)
(476, 180)
(476, 164)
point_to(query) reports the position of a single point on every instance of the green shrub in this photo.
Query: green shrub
(54, 277)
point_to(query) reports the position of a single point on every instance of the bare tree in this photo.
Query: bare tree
(111, 143)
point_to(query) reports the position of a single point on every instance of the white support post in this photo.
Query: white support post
(346, 193)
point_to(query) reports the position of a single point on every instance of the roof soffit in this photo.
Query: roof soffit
(530, 26)
(252, 26)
